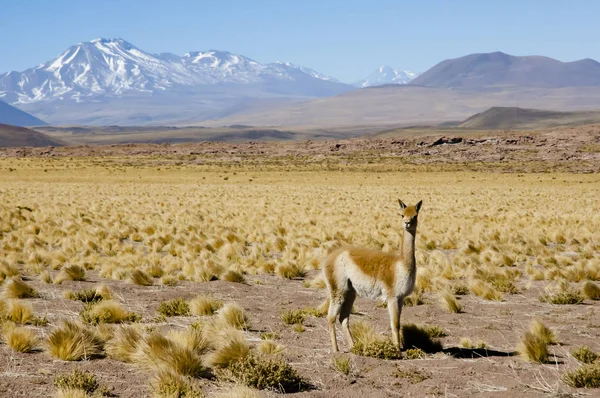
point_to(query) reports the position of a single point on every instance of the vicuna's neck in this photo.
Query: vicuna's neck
(408, 249)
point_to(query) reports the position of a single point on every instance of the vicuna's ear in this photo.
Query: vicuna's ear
(402, 205)
(418, 206)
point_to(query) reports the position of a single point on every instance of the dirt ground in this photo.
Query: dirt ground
(454, 372)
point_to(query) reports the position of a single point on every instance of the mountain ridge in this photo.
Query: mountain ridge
(498, 69)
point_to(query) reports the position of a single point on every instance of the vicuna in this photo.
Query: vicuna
(352, 271)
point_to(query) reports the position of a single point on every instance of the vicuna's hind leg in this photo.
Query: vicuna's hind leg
(332, 314)
(345, 314)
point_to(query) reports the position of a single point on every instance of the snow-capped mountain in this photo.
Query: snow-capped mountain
(387, 75)
(115, 68)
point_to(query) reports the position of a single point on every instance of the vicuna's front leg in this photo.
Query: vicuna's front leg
(332, 314)
(394, 305)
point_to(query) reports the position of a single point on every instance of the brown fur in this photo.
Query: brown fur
(376, 264)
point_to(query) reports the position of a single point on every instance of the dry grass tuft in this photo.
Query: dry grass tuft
(19, 312)
(204, 305)
(233, 276)
(342, 364)
(541, 330)
(289, 271)
(175, 307)
(157, 352)
(569, 296)
(586, 376)
(77, 380)
(103, 291)
(229, 346)
(17, 289)
(233, 315)
(293, 317)
(167, 384)
(591, 290)
(71, 273)
(533, 348)
(139, 277)
(370, 344)
(72, 341)
(585, 355)
(450, 302)
(124, 343)
(85, 296)
(271, 347)
(417, 337)
(107, 311)
(485, 290)
(264, 373)
(19, 338)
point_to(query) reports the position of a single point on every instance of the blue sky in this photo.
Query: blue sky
(346, 39)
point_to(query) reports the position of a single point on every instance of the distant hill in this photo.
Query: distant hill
(499, 69)
(15, 136)
(405, 104)
(518, 118)
(16, 117)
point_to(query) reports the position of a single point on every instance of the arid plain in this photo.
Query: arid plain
(194, 269)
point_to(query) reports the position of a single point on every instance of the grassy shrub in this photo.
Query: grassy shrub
(78, 381)
(569, 296)
(229, 346)
(124, 343)
(415, 353)
(233, 315)
(586, 376)
(450, 303)
(157, 352)
(17, 289)
(265, 373)
(533, 348)
(72, 341)
(139, 277)
(175, 307)
(370, 344)
(85, 296)
(19, 338)
(591, 291)
(293, 317)
(435, 331)
(107, 312)
(204, 305)
(485, 290)
(585, 355)
(460, 289)
(233, 276)
(289, 271)
(167, 384)
(271, 348)
(341, 363)
(417, 337)
(414, 299)
(19, 312)
(71, 273)
(269, 336)
(539, 329)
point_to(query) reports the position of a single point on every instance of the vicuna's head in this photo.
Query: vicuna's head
(409, 215)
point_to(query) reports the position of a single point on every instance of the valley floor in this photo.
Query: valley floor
(249, 228)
